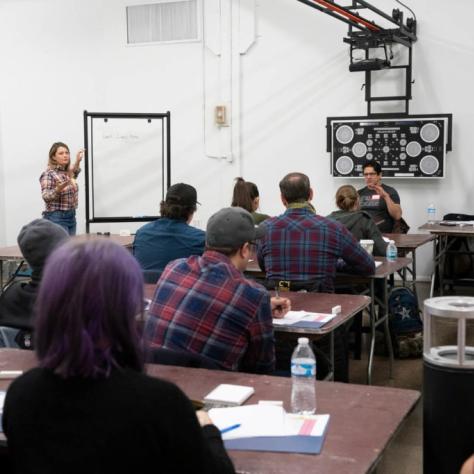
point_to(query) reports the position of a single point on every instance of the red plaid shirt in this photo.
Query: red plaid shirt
(204, 305)
(300, 245)
(67, 199)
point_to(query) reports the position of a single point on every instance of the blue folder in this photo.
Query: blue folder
(308, 324)
(280, 444)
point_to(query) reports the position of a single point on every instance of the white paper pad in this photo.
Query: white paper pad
(293, 317)
(229, 394)
(2, 401)
(266, 420)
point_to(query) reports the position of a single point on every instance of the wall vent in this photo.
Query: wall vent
(163, 22)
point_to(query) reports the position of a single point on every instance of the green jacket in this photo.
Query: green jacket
(258, 218)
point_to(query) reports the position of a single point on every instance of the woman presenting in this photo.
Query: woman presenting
(59, 188)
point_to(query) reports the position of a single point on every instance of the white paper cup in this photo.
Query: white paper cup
(367, 245)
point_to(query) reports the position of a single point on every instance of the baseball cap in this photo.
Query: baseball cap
(38, 239)
(182, 194)
(231, 227)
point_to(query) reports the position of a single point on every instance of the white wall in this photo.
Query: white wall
(60, 57)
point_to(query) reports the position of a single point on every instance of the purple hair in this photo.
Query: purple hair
(89, 297)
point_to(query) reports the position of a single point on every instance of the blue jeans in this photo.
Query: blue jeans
(66, 219)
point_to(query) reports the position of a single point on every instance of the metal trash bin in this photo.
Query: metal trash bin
(448, 388)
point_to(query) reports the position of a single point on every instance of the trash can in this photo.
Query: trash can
(448, 387)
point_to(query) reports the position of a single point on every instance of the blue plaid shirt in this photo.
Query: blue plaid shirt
(206, 306)
(300, 245)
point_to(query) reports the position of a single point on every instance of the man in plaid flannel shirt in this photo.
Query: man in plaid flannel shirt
(302, 247)
(204, 304)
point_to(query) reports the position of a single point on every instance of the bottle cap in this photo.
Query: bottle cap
(303, 340)
(392, 241)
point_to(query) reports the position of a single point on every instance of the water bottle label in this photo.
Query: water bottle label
(303, 370)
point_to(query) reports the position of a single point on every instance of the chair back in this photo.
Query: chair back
(151, 276)
(400, 227)
(165, 356)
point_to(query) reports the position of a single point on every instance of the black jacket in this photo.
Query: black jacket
(123, 423)
(16, 304)
(361, 226)
(16, 310)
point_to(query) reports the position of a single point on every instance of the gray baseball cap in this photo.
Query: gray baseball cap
(38, 239)
(231, 227)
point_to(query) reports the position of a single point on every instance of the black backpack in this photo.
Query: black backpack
(458, 217)
(406, 326)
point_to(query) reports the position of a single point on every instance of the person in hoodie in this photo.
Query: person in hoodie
(36, 241)
(358, 222)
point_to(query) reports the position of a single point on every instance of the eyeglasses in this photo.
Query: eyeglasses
(370, 174)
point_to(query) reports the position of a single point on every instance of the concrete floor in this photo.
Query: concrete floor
(405, 454)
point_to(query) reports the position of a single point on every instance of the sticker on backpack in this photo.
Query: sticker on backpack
(406, 326)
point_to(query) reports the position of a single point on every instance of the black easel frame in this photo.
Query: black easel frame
(88, 146)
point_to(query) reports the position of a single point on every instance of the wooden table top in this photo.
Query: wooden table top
(388, 268)
(323, 303)
(363, 418)
(382, 271)
(13, 252)
(313, 302)
(410, 241)
(455, 230)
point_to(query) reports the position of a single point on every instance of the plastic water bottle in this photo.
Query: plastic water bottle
(303, 378)
(431, 211)
(391, 251)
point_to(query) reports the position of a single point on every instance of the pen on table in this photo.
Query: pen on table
(277, 294)
(230, 428)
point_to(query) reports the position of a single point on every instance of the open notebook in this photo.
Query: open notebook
(270, 428)
(304, 319)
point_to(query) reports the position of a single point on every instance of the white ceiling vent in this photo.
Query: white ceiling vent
(168, 21)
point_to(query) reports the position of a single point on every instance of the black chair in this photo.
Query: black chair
(311, 286)
(165, 356)
(400, 227)
(151, 276)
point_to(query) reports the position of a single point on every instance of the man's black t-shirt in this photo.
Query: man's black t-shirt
(376, 206)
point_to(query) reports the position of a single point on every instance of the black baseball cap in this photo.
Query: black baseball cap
(182, 194)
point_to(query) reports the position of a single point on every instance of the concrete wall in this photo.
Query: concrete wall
(279, 66)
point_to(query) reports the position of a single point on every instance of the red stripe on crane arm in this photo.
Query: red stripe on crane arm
(345, 13)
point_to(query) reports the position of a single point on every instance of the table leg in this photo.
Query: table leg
(372, 331)
(331, 356)
(388, 338)
(413, 273)
(435, 265)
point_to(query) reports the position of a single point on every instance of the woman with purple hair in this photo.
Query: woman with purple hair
(88, 407)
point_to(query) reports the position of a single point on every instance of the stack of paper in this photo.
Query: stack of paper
(228, 395)
(2, 401)
(304, 319)
(269, 428)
